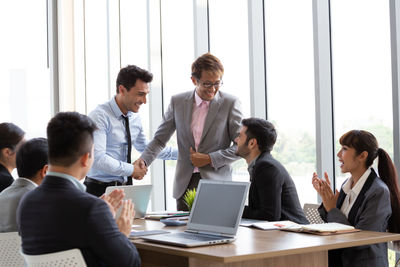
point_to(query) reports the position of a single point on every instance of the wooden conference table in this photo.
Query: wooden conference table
(254, 248)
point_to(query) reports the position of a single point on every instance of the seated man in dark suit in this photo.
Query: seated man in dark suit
(272, 195)
(59, 215)
(31, 162)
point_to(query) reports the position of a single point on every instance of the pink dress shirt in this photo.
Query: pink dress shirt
(200, 110)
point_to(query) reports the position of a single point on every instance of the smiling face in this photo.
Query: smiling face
(132, 100)
(207, 78)
(349, 160)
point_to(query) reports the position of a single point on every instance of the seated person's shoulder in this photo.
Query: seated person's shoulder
(272, 167)
(265, 166)
(85, 197)
(267, 161)
(378, 187)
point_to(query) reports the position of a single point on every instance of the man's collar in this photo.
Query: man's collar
(26, 180)
(198, 100)
(70, 178)
(253, 162)
(116, 110)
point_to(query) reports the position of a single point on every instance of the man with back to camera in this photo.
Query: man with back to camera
(32, 166)
(206, 121)
(59, 215)
(112, 145)
(272, 194)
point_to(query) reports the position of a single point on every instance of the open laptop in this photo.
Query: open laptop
(139, 194)
(214, 218)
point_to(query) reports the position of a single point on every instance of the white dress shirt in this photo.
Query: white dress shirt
(352, 193)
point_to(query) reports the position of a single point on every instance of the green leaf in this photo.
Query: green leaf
(189, 197)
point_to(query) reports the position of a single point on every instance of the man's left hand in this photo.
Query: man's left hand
(114, 200)
(199, 159)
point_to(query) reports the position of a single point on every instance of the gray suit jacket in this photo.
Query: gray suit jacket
(371, 211)
(9, 201)
(220, 129)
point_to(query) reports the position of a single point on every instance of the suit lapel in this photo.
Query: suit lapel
(188, 117)
(361, 197)
(212, 112)
(342, 196)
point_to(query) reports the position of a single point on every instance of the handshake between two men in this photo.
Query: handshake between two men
(197, 159)
(139, 169)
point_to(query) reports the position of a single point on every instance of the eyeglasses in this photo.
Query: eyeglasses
(208, 85)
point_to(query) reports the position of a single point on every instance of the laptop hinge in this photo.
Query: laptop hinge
(209, 233)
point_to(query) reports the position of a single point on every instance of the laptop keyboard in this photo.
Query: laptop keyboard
(197, 237)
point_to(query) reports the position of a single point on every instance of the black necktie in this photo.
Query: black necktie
(128, 136)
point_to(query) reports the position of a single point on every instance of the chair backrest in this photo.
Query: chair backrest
(71, 257)
(312, 214)
(10, 244)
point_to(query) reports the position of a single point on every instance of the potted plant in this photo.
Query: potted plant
(189, 197)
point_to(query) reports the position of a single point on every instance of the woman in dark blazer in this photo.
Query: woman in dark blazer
(366, 201)
(11, 136)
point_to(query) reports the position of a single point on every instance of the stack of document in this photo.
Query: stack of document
(319, 229)
(158, 215)
(322, 229)
(265, 225)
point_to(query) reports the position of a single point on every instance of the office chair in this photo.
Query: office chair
(10, 244)
(71, 257)
(312, 214)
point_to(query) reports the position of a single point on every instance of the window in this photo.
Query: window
(24, 75)
(177, 58)
(134, 51)
(96, 53)
(362, 71)
(229, 42)
(290, 89)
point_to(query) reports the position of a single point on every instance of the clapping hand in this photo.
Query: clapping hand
(199, 159)
(323, 187)
(125, 220)
(140, 169)
(114, 200)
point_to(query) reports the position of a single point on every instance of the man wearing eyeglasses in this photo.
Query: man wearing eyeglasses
(206, 121)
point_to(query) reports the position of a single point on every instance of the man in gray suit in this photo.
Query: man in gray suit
(32, 167)
(206, 121)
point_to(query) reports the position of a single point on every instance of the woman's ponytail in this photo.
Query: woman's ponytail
(388, 174)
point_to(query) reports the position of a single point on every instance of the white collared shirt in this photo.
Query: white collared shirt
(352, 193)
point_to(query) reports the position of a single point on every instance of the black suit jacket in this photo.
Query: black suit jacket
(272, 195)
(58, 216)
(6, 178)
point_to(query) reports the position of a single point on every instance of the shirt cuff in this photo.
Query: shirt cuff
(128, 169)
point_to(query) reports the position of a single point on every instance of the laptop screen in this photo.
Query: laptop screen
(218, 206)
(139, 194)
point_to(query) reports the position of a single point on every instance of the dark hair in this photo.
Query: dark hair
(69, 135)
(10, 135)
(263, 131)
(31, 157)
(365, 141)
(207, 62)
(130, 74)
